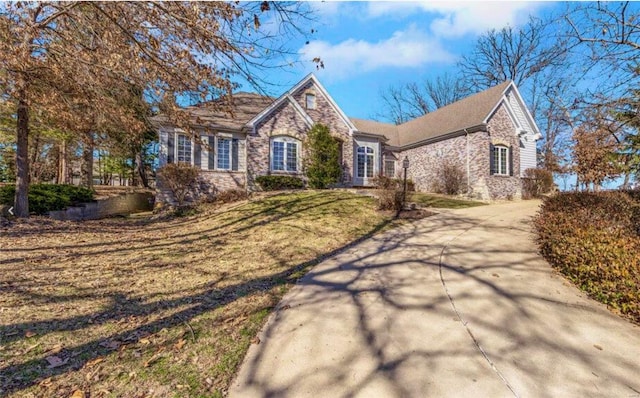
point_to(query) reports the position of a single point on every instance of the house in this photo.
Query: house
(491, 136)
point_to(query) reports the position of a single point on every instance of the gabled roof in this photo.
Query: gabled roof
(244, 107)
(470, 112)
(287, 97)
(370, 126)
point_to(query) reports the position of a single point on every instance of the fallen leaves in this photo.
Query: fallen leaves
(153, 360)
(78, 394)
(110, 344)
(94, 362)
(55, 361)
(133, 298)
(179, 344)
(30, 348)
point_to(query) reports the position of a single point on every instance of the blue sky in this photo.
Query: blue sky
(368, 46)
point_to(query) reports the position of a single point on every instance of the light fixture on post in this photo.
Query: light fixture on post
(405, 166)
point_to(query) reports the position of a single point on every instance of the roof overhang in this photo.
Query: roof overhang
(380, 137)
(287, 96)
(442, 137)
(525, 108)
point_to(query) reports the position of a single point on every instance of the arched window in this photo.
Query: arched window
(500, 160)
(365, 162)
(284, 154)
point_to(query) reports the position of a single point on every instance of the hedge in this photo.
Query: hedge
(593, 239)
(275, 183)
(47, 197)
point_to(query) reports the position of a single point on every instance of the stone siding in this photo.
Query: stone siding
(325, 113)
(209, 184)
(426, 160)
(502, 131)
(284, 121)
(287, 121)
(114, 206)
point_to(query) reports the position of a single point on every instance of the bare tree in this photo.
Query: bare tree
(610, 31)
(410, 100)
(534, 57)
(60, 57)
(511, 53)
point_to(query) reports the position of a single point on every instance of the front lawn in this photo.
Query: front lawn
(133, 308)
(442, 201)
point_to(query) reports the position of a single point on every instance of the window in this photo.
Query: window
(500, 160)
(183, 149)
(390, 168)
(365, 162)
(224, 154)
(284, 154)
(310, 101)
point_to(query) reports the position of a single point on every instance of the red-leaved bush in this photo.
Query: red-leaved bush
(593, 239)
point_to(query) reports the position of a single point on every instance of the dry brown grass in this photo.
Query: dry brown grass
(137, 308)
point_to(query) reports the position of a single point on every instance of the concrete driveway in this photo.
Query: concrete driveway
(455, 305)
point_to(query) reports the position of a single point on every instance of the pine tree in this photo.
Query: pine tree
(322, 161)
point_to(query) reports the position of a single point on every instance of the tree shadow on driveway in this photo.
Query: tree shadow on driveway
(455, 305)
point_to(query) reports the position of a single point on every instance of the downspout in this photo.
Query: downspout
(468, 165)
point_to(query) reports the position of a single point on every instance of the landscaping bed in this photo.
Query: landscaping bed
(593, 239)
(442, 201)
(143, 308)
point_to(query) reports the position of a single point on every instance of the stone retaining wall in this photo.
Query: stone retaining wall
(114, 206)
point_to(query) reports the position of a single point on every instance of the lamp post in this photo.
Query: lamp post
(405, 166)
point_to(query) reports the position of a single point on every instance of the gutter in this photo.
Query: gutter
(453, 134)
(468, 166)
(380, 137)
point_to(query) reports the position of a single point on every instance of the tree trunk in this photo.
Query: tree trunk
(34, 175)
(87, 161)
(141, 169)
(21, 201)
(625, 183)
(62, 177)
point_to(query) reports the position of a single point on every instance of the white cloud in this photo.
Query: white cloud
(455, 19)
(408, 48)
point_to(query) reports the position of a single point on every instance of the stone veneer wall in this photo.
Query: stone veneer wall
(210, 183)
(282, 121)
(326, 114)
(286, 121)
(426, 160)
(502, 131)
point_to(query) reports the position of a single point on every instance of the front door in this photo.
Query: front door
(366, 163)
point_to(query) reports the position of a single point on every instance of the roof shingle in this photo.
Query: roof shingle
(245, 107)
(466, 113)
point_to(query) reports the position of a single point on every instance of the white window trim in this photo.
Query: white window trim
(393, 162)
(215, 156)
(498, 149)
(176, 146)
(286, 139)
(306, 102)
(373, 154)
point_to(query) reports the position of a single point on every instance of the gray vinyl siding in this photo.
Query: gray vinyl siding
(527, 143)
(527, 153)
(522, 121)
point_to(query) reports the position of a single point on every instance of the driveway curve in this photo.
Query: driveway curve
(457, 304)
